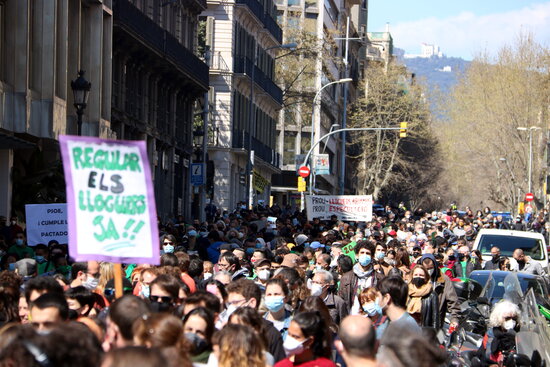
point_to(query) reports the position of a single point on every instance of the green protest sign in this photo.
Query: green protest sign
(349, 250)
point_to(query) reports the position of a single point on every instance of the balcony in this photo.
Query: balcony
(132, 20)
(243, 65)
(262, 151)
(263, 16)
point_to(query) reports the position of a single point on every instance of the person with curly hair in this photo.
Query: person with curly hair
(238, 346)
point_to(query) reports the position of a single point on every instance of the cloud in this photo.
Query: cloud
(467, 34)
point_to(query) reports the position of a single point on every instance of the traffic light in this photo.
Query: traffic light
(242, 179)
(301, 184)
(403, 130)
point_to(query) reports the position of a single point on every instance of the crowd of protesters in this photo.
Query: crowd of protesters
(242, 289)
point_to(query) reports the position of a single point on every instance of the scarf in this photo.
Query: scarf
(357, 269)
(415, 297)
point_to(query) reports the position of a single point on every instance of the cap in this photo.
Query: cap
(316, 245)
(290, 260)
(26, 267)
(300, 239)
(392, 233)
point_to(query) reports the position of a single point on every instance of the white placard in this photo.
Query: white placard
(46, 222)
(345, 207)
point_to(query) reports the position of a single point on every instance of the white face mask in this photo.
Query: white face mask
(206, 276)
(264, 274)
(293, 346)
(430, 271)
(90, 283)
(316, 289)
(509, 324)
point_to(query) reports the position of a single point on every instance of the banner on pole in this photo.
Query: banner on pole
(345, 207)
(110, 200)
(321, 164)
(46, 222)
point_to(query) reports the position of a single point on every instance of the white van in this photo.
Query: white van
(532, 244)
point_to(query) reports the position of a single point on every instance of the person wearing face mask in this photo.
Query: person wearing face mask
(308, 343)
(321, 285)
(20, 247)
(504, 320)
(263, 273)
(524, 264)
(164, 295)
(85, 274)
(423, 303)
(276, 296)
(370, 307)
(495, 259)
(198, 328)
(443, 287)
(381, 265)
(465, 264)
(242, 293)
(168, 243)
(362, 276)
(42, 257)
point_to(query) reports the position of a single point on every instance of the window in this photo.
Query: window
(289, 147)
(310, 23)
(305, 143)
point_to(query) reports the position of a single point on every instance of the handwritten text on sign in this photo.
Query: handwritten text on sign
(345, 207)
(112, 214)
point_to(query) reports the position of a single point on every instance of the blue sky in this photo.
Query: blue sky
(461, 28)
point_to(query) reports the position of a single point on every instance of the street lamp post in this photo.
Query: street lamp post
(313, 145)
(530, 129)
(81, 89)
(344, 80)
(250, 158)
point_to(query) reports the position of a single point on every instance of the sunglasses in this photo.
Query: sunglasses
(510, 318)
(163, 299)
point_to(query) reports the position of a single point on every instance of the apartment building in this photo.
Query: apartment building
(242, 38)
(43, 45)
(328, 21)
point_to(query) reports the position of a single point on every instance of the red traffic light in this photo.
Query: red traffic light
(303, 171)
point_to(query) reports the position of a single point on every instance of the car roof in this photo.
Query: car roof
(508, 232)
(503, 274)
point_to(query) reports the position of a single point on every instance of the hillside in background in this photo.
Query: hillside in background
(438, 72)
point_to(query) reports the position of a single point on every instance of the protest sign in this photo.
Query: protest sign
(46, 222)
(110, 200)
(349, 250)
(345, 207)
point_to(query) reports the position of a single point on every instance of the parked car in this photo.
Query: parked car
(533, 244)
(497, 289)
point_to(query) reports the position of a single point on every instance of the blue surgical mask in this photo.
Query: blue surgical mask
(365, 260)
(372, 308)
(274, 303)
(40, 259)
(380, 255)
(11, 267)
(19, 242)
(192, 233)
(168, 249)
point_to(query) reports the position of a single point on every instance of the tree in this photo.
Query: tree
(486, 155)
(387, 166)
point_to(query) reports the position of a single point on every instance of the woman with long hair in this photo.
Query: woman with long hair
(276, 297)
(296, 285)
(403, 262)
(198, 327)
(163, 331)
(106, 273)
(238, 346)
(308, 343)
(248, 316)
(370, 307)
(423, 303)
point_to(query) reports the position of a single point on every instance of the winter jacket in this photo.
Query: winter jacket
(348, 286)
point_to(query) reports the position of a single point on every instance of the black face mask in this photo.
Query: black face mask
(452, 258)
(416, 254)
(161, 306)
(418, 282)
(462, 257)
(199, 344)
(496, 258)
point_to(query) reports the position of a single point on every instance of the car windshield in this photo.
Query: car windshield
(531, 247)
(498, 289)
